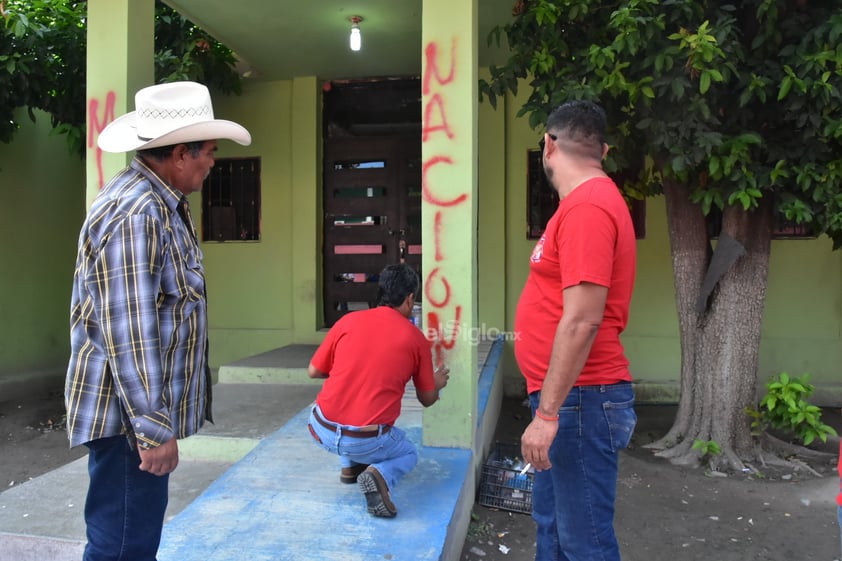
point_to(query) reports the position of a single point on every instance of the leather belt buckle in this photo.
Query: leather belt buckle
(348, 432)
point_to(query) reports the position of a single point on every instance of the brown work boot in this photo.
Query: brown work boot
(349, 475)
(376, 493)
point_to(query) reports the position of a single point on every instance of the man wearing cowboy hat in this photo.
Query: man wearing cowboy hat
(138, 377)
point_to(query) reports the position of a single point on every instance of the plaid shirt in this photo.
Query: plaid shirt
(138, 320)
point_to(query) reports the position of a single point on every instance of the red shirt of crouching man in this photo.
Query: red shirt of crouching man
(366, 359)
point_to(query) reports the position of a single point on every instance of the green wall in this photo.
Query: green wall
(249, 283)
(43, 207)
(802, 327)
(491, 218)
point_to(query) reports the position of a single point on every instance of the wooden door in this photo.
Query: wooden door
(372, 216)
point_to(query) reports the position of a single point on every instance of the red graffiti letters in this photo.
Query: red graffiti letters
(437, 233)
(438, 296)
(427, 193)
(443, 300)
(431, 56)
(428, 129)
(95, 127)
(442, 342)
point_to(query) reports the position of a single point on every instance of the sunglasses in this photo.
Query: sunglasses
(541, 142)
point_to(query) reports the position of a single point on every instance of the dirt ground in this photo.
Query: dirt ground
(669, 513)
(32, 438)
(664, 513)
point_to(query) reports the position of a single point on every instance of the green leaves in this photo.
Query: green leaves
(735, 104)
(747, 198)
(707, 447)
(785, 407)
(701, 47)
(788, 82)
(20, 25)
(756, 89)
(706, 77)
(546, 13)
(43, 62)
(542, 61)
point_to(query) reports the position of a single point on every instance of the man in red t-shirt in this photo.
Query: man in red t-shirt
(569, 318)
(367, 358)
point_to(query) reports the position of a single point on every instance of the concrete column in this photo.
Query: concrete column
(306, 170)
(121, 46)
(491, 242)
(449, 212)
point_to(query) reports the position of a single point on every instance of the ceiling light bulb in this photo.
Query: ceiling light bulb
(356, 38)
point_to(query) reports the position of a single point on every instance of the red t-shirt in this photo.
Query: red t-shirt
(369, 356)
(590, 238)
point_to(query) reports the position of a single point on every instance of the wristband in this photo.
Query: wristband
(544, 417)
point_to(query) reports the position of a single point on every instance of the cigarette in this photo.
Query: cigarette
(525, 468)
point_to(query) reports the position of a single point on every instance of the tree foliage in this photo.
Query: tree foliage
(43, 62)
(734, 100)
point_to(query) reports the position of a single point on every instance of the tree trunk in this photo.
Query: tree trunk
(719, 335)
(690, 252)
(736, 317)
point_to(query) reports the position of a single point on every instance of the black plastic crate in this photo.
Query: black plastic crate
(502, 486)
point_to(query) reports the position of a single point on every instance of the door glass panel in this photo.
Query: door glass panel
(358, 249)
(359, 220)
(359, 164)
(357, 277)
(360, 192)
(350, 306)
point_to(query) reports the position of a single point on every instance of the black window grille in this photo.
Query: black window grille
(231, 201)
(782, 229)
(542, 200)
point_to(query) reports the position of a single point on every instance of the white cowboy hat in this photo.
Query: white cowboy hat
(166, 114)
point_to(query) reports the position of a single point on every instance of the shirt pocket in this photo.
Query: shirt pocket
(183, 275)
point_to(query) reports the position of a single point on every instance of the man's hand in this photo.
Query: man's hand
(441, 375)
(161, 460)
(535, 443)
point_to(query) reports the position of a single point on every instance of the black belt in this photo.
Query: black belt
(349, 432)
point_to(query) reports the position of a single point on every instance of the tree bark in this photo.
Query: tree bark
(690, 251)
(736, 317)
(719, 334)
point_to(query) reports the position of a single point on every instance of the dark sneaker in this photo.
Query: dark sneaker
(349, 475)
(376, 493)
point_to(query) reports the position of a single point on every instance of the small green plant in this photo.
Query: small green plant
(708, 448)
(478, 529)
(785, 407)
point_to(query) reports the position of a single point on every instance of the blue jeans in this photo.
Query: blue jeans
(573, 502)
(392, 454)
(124, 509)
